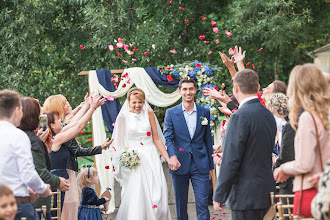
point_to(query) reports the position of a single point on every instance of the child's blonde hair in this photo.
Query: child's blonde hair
(5, 190)
(85, 177)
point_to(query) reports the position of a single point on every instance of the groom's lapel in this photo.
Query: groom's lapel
(181, 118)
(198, 120)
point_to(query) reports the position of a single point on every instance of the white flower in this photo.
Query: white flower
(153, 46)
(202, 99)
(204, 121)
(211, 123)
(199, 84)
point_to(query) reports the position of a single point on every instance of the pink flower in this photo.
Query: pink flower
(125, 47)
(217, 41)
(202, 37)
(120, 40)
(215, 30)
(209, 53)
(228, 33)
(248, 64)
(181, 8)
(213, 23)
(231, 51)
(253, 66)
(173, 51)
(113, 124)
(110, 98)
(134, 59)
(206, 42)
(81, 47)
(260, 49)
(110, 47)
(186, 20)
(203, 18)
(124, 61)
(120, 45)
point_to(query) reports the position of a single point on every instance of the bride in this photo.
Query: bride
(144, 194)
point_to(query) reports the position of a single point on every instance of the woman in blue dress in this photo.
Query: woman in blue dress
(89, 208)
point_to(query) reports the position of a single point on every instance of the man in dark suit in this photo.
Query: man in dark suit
(246, 178)
(189, 143)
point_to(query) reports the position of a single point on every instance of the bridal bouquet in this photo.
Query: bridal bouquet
(130, 159)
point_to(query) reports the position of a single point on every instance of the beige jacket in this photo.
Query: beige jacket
(307, 157)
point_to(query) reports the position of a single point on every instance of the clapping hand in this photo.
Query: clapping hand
(229, 63)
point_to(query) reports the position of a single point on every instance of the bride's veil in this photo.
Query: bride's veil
(119, 144)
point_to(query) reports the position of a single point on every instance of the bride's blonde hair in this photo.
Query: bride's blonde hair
(136, 92)
(307, 90)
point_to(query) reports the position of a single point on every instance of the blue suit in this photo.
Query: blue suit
(195, 156)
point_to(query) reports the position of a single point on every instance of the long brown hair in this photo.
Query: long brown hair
(307, 90)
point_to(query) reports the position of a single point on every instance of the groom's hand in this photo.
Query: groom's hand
(174, 163)
(217, 206)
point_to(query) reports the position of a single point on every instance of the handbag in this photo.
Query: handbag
(302, 178)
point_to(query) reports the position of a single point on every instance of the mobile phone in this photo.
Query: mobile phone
(43, 122)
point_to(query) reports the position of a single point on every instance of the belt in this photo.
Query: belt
(20, 200)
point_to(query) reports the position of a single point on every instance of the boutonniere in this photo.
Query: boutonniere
(204, 121)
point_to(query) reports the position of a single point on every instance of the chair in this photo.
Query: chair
(43, 211)
(58, 208)
(281, 207)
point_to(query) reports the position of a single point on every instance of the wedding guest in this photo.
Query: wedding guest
(16, 165)
(60, 153)
(245, 179)
(276, 86)
(8, 206)
(60, 105)
(41, 159)
(307, 92)
(89, 208)
(71, 203)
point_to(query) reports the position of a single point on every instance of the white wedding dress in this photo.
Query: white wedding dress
(144, 193)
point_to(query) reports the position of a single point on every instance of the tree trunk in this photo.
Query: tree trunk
(276, 62)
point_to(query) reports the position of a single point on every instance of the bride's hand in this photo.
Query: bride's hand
(106, 144)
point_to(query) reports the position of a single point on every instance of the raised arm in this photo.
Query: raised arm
(229, 63)
(239, 58)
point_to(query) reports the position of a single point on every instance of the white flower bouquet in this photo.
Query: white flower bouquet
(130, 158)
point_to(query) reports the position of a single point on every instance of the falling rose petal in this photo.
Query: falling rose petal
(248, 64)
(173, 51)
(169, 78)
(186, 68)
(181, 8)
(212, 218)
(107, 167)
(113, 170)
(114, 148)
(82, 132)
(77, 138)
(154, 206)
(253, 66)
(89, 139)
(130, 45)
(125, 75)
(231, 51)
(141, 143)
(135, 93)
(118, 53)
(169, 2)
(116, 47)
(213, 23)
(202, 37)
(124, 85)
(186, 20)
(125, 47)
(260, 49)
(180, 149)
(120, 45)
(206, 42)
(113, 124)
(160, 71)
(217, 41)
(129, 81)
(149, 133)
(116, 86)
(148, 60)
(216, 88)
(168, 68)
(215, 30)
(198, 65)
(131, 52)
(124, 61)
(110, 98)
(135, 49)
(223, 85)
(110, 47)
(203, 18)
(209, 53)
(81, 47)
(228, 33)
(160, 156)
(134, 59)
(146, 53)
(120, 40)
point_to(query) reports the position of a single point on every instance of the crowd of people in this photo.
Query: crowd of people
(278, 136)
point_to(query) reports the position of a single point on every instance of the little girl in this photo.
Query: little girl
(89, 208)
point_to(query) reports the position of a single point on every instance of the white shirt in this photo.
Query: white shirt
(246, 100)
(191, 119)
(16, 163)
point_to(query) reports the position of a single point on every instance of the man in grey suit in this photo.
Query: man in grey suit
(246, 177)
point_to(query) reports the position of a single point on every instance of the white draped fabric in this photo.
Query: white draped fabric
(142, 80)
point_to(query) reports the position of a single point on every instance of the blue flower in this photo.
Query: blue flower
(212, 118)
(193, 74)
(208, 71)
(175, 73)
(207, 106)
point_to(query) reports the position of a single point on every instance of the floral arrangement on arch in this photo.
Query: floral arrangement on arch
(206, 77)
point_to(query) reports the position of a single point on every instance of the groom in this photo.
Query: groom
(189, 143)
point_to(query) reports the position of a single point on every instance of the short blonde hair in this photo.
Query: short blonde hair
(278, 102)
(307, 90)
(136, 92)
(55, 103)
(85, 177)
(5, 190)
